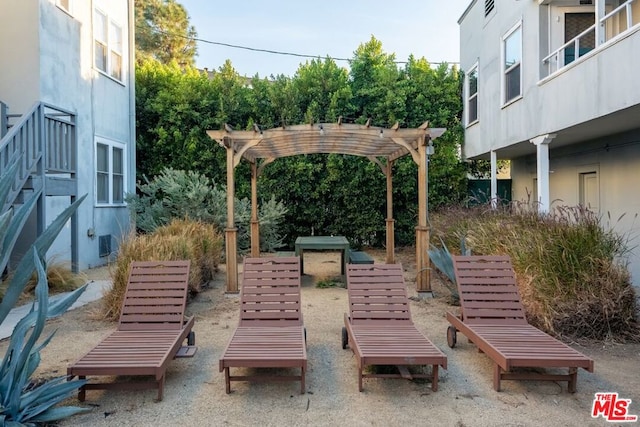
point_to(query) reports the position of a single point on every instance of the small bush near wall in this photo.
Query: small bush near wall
(180, 239)
(570, 269)
(179, 194)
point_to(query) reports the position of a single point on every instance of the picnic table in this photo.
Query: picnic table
(323, 243)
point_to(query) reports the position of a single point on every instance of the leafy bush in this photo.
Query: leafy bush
(570, 269)
(20, 402)
(180, 194)
(181, 239)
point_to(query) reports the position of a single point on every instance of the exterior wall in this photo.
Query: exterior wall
(617, 160)
(19, 58)
(104, 110)
(51, 59)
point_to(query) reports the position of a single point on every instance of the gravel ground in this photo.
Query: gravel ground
(195, 391)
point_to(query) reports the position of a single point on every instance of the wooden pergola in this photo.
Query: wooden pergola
(383, 146)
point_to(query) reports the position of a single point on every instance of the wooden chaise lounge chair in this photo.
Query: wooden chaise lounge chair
(150, 333)
(379, 328)
(493, 318)
(271, 332)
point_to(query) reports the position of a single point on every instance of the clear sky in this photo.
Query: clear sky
(424, 28)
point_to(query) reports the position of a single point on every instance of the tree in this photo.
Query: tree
(163, 32)
(374, 78)
(324, 91)
(332, 194)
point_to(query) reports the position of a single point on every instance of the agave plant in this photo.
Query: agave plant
(441, 258)
(21, 404)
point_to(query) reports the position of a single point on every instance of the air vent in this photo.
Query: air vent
(586, 2)
(104, 245)
(488, 6)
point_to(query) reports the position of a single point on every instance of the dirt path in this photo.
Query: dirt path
(194, 392)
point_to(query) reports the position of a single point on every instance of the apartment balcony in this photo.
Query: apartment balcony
(598, 24)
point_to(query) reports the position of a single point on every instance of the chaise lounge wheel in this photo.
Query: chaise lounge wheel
(305, 335)
(345, 338)
(451, 336)
(191, 338)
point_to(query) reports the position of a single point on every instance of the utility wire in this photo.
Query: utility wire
(274, 52)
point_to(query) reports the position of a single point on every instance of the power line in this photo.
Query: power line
(276, 52)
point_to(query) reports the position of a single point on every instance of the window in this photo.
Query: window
(64, 5)
(110, 166)
(512, 63)
(471, 88)
(108, 45)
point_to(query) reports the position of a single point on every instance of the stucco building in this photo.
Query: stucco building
(68, 107)
(552, 86)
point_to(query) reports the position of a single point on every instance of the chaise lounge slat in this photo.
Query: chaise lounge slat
(493, 318)
(151, 330)
(379, 328)
(270, 333)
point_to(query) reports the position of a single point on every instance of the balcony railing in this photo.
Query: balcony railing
(613, 26)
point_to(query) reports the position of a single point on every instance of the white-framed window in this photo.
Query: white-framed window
(110, 172)
(471, 90)
(107, 35)
(512, 64)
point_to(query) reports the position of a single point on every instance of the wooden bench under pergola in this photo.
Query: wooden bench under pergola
(383, 146)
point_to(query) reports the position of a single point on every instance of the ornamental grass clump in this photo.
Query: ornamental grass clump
(179, 240)
(571, 270)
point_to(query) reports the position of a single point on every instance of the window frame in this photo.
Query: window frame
(112, 45)
(469, 97)
(112, 146)
(505, 71)
(67, 8)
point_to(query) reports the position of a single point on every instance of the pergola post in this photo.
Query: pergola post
(390, 221)
(423, 277)
(340, 138)
(255, 225)
(231, 232)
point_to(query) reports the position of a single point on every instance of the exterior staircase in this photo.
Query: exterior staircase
(45, 139)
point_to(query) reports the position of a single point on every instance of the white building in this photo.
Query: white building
(68, 105)
(553, 86)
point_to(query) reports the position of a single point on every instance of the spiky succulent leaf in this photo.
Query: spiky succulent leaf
(16, 225)
(25, 267)
(7, 179)
(443, 261)
(41, 399)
